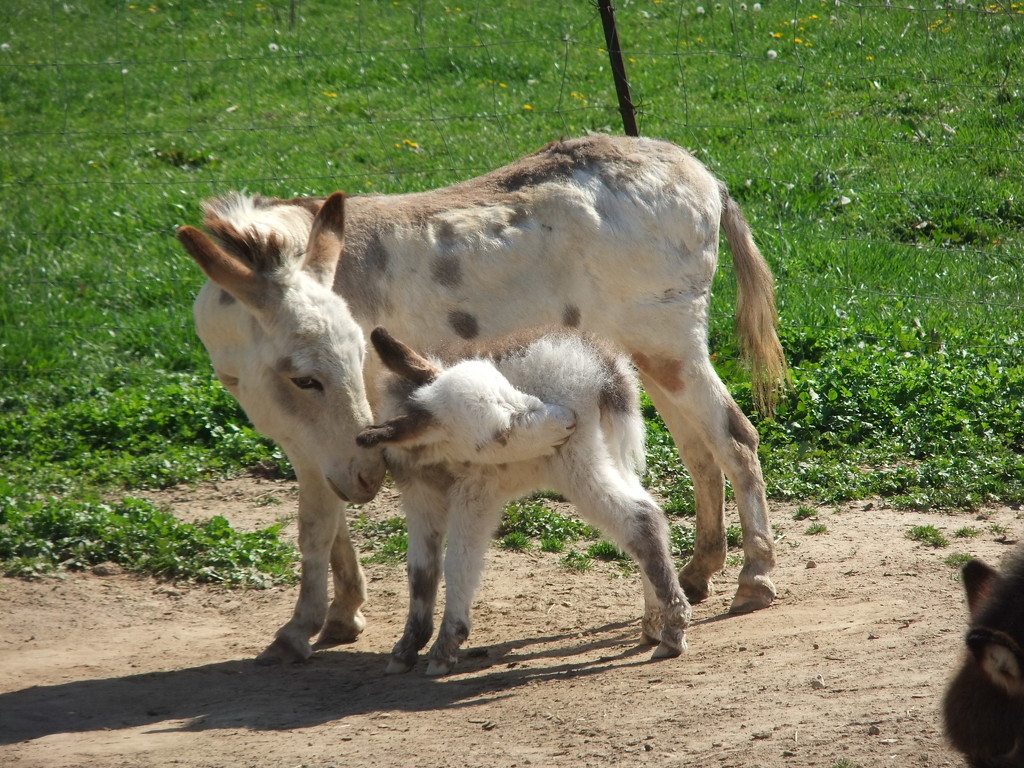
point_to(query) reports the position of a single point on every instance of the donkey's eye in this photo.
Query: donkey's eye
(307, 382)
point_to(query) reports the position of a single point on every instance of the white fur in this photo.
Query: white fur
(456, 478)
(622, 241)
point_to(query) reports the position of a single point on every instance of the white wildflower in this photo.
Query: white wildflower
(772, 54)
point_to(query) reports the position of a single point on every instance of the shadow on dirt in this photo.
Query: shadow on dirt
(333, 685)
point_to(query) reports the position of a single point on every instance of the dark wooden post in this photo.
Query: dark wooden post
(611, 36)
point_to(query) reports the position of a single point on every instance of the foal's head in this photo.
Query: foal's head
(466, 412)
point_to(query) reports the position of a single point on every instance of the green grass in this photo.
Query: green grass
(804, 512)
(958, 559)
(133, 533)
(815, 529)
(928, 534)
(876, 157)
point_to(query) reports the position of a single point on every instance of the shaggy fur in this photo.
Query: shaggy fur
(984, 705)
(556, 410)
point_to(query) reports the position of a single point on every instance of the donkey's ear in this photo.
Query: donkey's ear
(326, 239)
(228, 271)
(402, 360)
(999, 658)
(979, 580)
(414, 427)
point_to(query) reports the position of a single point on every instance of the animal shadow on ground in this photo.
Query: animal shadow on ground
(331, 686)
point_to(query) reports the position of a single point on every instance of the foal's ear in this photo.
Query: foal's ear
(979, 580)
(226, 270)
(402, 429)
(326, 239)
(401, 359)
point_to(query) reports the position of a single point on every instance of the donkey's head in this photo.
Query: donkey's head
(468, 412)
(281, 340)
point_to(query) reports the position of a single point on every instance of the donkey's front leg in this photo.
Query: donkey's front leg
(345, 621)
(425, 514)
(474, 514)
(320, 514)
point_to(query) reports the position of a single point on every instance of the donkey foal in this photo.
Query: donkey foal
(465, 434)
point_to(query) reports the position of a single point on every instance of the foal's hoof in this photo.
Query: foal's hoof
(283, 651)
(339, 632)
(753, 595)
(667, 651)
(650, 627)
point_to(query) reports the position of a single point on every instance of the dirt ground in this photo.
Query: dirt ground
(846, 669)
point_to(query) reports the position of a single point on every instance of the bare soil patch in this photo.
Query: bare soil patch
(848, 665)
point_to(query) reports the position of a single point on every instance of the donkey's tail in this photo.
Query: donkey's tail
(756, 315)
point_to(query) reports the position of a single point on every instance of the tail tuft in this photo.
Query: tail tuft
(756, 315)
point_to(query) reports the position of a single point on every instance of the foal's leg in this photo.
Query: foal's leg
(710, 430)
(320, 515)
(627, 514)
(426, 513)
(474, 512)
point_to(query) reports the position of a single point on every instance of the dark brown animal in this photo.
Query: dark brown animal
(984, 706)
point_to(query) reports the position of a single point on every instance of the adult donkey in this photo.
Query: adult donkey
(617, 236)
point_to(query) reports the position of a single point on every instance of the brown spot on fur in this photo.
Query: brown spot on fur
(619, 391)
(464, 324)
(446, 234)
(447, 271)
(740, 428)
(667, 374)
(362, 272)
(571, 316)
(226, 299)
(423, 583)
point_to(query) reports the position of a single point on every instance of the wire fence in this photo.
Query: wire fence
(876, 148)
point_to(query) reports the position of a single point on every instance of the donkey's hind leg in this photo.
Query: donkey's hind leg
(714, 435)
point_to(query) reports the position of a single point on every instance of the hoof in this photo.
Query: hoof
(666, 651)
(697, 589)
(753, 596)
(397, 666)
(650, 627)
(439, 668)
(282, 651)
(340, 632)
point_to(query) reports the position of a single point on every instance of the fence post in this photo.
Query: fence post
(611, 36)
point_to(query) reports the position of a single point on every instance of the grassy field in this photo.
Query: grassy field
(876, 151)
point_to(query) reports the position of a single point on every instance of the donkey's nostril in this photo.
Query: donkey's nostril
(366, 485)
